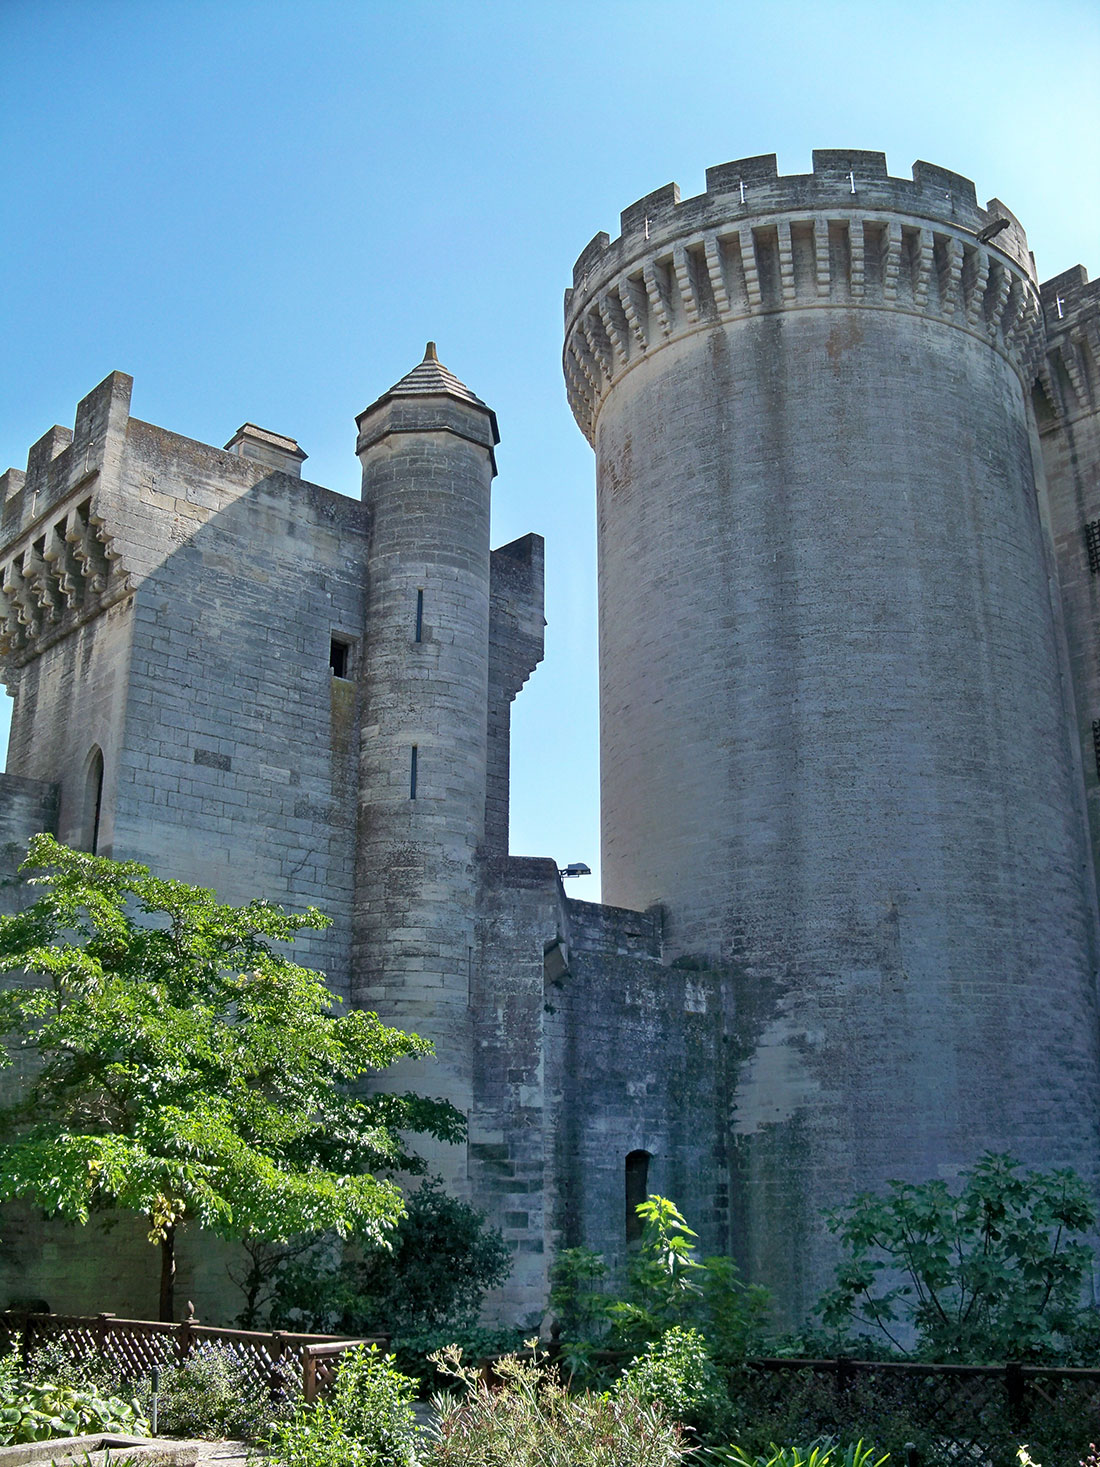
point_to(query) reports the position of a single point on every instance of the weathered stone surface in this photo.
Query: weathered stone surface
(851, 929)
(834, 740)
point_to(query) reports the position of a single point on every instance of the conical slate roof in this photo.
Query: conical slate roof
(430, 378)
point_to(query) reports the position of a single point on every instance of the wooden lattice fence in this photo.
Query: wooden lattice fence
(936, 1414)
(278, 1361)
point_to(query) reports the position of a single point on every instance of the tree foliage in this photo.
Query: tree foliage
(993, 1271)
(184, 1067)
(667, 1287)
(440, 1261)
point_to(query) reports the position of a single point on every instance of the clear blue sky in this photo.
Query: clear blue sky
(263, 210)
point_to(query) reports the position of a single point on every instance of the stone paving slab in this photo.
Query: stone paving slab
(100, 1449)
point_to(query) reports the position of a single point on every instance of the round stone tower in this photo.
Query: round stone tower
(426, 448)
(834, 726)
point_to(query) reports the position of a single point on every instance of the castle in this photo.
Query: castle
(848, 479)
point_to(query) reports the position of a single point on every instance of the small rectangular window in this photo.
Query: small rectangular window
(339, 657)
(412, 774)
(637, 1191)
(1096, 744)
(1092, 545)
(420, 616)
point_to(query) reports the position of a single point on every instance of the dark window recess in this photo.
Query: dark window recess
(1092, 545)
(420, 616)
(412, 774)
(637, 1184)
(212, 760)
(1096, 744)
(93, 802)
(339, 657)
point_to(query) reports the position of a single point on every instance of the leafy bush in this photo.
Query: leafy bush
(31, 1412)
(415, 1354)
(578, 1299)
(992, 1272)
(213, 1395)
(667, 1287)
(440, 1263)
(823, 1453)
(533, 1421)
(369, 1421)
(10, 1370)
(53, 1360)
(677, 1373)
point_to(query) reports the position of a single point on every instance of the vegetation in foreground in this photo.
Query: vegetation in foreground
(185, 1068)
(40, 1404)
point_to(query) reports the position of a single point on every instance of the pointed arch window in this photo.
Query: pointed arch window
(93, 801)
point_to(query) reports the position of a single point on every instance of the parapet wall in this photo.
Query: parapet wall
(1069, 372)
(756, 243)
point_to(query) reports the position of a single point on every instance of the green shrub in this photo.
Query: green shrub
(31, 1412)
(666, 1287)
(578, 1299)
(213, 1395)
(533, 1421)
(993, 1271)
(10, 1369)
(369, 1421)
(415, 1354)
(823, 1453)
(677, 1373)
(440, 1263)
(54, 1360)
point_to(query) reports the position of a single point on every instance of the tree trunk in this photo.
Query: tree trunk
(168, 1276)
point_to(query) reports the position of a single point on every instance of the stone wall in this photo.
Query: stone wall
(834, 739)
(1067, 404)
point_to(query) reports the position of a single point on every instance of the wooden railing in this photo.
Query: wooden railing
(278, 1361)
(929, 1413)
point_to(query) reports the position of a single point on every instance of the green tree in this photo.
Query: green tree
(993, 1271)
(440, 1263)
(435, 1268)
(667, 1287)
(183, 1067)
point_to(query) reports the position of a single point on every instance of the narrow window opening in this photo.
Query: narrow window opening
(339, 657)
(1092, 545)
(412, 774)
(93, 802)
(420, 616)
(1096, 744)
(637, 1185)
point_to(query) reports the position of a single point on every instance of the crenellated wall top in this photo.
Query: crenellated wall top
(1069, 372)
(750, 188)
(757, 242)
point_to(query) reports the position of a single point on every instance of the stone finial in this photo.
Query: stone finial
(430, 354)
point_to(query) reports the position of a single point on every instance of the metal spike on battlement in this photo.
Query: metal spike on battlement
(757, 242)
(841, 179)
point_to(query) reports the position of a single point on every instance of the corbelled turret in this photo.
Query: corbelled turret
(426, 447)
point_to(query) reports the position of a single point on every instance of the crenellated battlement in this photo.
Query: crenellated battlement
(757, 242)
(1069, 372)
